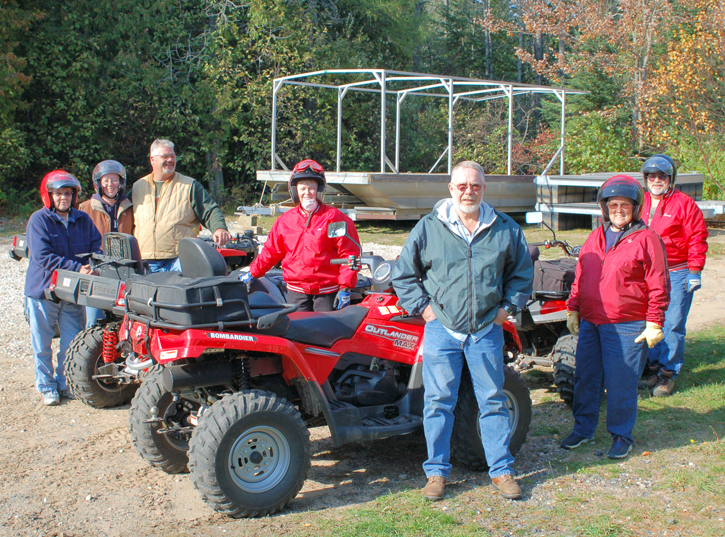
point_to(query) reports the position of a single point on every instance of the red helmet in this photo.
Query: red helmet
(106, 167)
(307, 169)
(621, 186)
(55, 180)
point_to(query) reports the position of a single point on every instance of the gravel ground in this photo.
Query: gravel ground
(71, 470)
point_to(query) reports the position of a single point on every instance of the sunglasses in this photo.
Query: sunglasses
(617, 206)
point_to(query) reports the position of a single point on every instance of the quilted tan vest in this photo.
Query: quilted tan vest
(159, 229)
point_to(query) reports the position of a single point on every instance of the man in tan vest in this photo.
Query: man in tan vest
(168, 207)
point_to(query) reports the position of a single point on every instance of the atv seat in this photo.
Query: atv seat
(321, 329)
(325, 328)
(200, 260)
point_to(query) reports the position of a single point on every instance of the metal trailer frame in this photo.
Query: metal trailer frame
(420, 84)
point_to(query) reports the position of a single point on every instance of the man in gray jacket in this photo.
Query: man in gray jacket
(465, 268)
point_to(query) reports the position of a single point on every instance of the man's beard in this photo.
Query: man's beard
(467, 209)
(309, 205)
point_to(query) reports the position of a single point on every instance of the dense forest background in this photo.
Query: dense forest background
(86, 80)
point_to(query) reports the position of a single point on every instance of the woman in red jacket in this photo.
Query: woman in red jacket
(620, 295)
(299, 240)
(678, 220)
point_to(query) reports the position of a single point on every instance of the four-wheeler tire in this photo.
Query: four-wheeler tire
(83, 358)
(466, 444)
(168, 451)
(250, 454)
(564, 360)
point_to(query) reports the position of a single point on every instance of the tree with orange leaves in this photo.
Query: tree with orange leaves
(684, 103)
(616, 37)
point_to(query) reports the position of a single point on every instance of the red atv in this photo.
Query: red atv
(238, 377)
(541, 325)
(95, 370)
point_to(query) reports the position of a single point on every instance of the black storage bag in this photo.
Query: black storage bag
(555, 276)
(223, 296)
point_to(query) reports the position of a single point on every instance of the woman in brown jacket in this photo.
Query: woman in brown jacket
(109, 208)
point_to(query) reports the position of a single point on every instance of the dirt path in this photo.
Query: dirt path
(72, 470)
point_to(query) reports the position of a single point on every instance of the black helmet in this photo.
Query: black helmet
(307, 169)
(106, 167)
(620, 186)
(660, 163)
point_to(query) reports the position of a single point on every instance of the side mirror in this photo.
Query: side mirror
(336, 230)
(535, 217)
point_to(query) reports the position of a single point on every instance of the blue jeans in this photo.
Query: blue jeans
(164, 265)
(443, 358)
(93, 315)
(43, 315)
(669, 354)
(607, 357)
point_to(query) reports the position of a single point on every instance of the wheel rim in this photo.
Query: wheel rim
(259, 459)
(177, 414)
(513, 405)
(110, 385)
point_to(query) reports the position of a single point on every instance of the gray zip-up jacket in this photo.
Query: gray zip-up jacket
(465, 284)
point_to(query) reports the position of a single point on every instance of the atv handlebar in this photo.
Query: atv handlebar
(568, 250)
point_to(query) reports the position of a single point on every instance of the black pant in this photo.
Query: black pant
(311, 302)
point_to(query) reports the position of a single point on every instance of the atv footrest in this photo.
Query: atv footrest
(397, 421)
(354, 424)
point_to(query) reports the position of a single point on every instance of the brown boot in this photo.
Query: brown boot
(435, 489)
(507, 486)
(649, 378)
(665, 385)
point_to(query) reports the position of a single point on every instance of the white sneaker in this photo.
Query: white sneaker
(51, 398)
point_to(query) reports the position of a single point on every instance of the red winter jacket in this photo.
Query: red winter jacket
(678, 220)
(628, 283)
(300, 241)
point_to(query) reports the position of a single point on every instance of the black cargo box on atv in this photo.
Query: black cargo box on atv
(553, 278)
(172, 298)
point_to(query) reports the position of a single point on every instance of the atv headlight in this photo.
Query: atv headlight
(382, 273)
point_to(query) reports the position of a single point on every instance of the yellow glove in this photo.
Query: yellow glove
(652, 333)
(572, 322)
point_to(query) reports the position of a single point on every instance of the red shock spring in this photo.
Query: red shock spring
(110, 340)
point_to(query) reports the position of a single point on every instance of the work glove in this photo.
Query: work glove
(694, 282)
(572, 322)
(652, 333)
(341, 300)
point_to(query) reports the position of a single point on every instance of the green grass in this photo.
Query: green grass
(398, 515)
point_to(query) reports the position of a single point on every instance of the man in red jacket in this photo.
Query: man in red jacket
(678, 220)
(299, 240)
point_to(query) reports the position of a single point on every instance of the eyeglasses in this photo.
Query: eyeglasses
(657, 176)
(165, 157)
(109, 182)
(63, 194)
(474, 187)
(617, 206)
